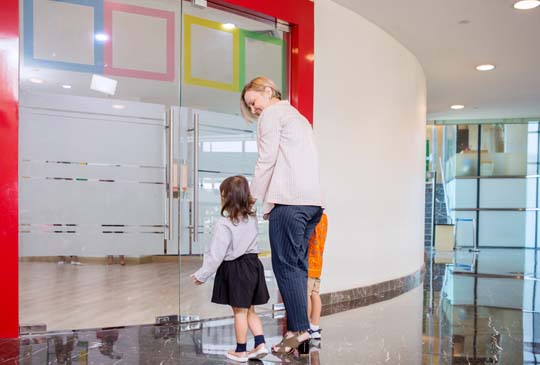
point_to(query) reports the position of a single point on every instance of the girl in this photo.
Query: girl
(239, 279)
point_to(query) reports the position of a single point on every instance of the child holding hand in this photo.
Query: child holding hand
(239, 280)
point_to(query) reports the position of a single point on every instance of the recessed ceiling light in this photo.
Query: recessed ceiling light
(35, 80)
(486, 67)
(66, 86)
(101, 37)
(119, 106)
(457, 106)
(229, 26)
(526, 4)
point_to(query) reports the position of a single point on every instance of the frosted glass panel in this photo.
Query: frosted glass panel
(466, 150)
(465, 193)
(222, 153)
(504, 149)
(507, 193)
(88, 179)
(264, 58)
(223, 51)
(213, 59)
(507, 229)
(93, 162)
(464, 229)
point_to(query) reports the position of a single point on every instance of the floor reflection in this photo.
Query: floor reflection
(481, 308)
(472, 309)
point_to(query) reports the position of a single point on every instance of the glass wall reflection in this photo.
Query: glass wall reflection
(491, 174)
(108, 91)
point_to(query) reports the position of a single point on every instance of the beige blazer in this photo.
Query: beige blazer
(287, 169)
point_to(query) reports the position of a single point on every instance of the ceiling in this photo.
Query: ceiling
(451, 37)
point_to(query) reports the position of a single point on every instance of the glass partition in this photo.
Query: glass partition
(96, 81)
(496, 185)
(504, 150)
(118, 192)
(223, 51)
(466, 162)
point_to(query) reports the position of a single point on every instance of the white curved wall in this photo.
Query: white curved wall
(370, 113)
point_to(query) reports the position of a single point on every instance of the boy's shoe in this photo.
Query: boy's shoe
(315, 335)
(236, 356)
(258, 353)
(315, 345)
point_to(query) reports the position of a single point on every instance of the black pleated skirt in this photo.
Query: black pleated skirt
(240, 282)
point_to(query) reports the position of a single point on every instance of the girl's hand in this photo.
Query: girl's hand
(195, 281)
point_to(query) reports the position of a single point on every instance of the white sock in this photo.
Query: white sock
(314, 327)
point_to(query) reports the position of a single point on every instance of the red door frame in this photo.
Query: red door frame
(298, 13)
(9, 138)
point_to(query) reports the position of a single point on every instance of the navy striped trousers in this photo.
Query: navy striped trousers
(291, 227)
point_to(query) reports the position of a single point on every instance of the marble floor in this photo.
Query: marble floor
(96, 295)
(471, 309)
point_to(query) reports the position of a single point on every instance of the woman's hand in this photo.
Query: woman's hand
(195, 280)
(266, 216)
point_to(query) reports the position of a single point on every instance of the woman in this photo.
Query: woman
(286, 180)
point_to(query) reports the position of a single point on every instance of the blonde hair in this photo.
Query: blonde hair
(259, 84)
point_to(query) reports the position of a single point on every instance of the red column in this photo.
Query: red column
(9, 243)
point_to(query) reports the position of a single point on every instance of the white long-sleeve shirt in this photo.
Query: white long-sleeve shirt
(229, 242)
(287, 169)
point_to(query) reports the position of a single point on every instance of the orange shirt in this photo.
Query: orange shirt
(316, 248)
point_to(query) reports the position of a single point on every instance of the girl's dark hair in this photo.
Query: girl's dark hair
(237, 200)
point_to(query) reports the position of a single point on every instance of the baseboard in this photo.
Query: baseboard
(359, 297)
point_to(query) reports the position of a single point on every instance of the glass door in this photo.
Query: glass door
(98, 80)
(129, 121)
(222, 51)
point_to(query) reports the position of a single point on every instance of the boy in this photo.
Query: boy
(315, 255)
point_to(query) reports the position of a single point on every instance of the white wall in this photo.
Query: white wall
(370, 114)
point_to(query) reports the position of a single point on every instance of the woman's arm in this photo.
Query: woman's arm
(268, 137)
(214, 255)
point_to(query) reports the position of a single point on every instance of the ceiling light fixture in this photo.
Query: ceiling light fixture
(35, 80)
(229, 26)
(119, 106)
(457, 106)
(486, 67)
(526, 4)
(66, 86)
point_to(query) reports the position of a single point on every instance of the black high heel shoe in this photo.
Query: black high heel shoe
(303, 348)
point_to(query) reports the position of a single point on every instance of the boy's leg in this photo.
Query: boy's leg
(316, 306)
(309, 308)
(309, 302)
